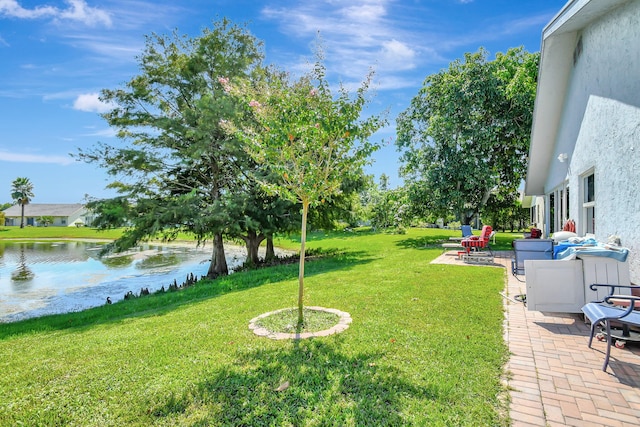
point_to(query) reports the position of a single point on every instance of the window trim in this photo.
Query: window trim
(585, 206)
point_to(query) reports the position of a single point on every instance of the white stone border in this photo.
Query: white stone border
(343, 323)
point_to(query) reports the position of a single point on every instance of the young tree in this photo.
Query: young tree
(466, 134)
(310, 140)
(179, 167)
(22, 193)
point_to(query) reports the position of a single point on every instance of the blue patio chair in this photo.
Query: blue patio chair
(616, 308)
(524, 249)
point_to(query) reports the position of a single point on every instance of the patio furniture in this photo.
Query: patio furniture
(563, 285)
(466, 232)
(479, 242)
(477, 257)
(452, 246)
(525, 249)
(534, 233)
(613, 308)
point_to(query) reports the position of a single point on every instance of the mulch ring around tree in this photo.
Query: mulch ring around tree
(343, 323)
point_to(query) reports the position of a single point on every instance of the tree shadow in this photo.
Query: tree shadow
(424, 242)
(307, 382)
(161, 303)
(314, 236)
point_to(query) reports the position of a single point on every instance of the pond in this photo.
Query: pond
(40, 278)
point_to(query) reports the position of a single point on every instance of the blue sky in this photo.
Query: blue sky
(56, 56)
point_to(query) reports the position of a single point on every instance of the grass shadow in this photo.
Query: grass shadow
(163, 302)
(314, 236)
(430, 241)
(309, 382)
(435, 241)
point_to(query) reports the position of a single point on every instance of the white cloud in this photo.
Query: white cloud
(34, 158)
(91, 102)
(497, 31)
(77, 11)
(12, 9)
(356, 36)
(121, 47)
(391, 82)
(80, 11)
(364, 12)
(398, 54)
(108, 132)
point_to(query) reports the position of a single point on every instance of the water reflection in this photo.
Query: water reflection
(117, 261)
(159, 260)
(38, 278)
(23, 273)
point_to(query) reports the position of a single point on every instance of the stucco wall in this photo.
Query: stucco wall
(602, 118)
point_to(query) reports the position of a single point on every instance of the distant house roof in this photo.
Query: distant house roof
(44, 209)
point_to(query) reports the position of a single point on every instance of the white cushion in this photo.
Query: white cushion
(559, 236)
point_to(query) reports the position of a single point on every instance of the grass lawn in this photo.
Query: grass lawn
(425, 348)
(15, 232)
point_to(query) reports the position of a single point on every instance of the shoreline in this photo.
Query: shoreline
(179, 243)
(38, 298)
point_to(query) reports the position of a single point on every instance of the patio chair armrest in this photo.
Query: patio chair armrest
(631, 300)
(612, 288)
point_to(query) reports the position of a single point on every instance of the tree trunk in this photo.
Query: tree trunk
(22, 216)
(303, 241)
(252, 241)
(218, 266)
(271, 253)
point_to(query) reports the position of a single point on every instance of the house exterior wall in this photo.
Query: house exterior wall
(77, 216)
(74, 214)
(59, 221)
(600, 129)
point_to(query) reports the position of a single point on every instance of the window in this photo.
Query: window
(552, 213)
(589, 204)
(558, 201)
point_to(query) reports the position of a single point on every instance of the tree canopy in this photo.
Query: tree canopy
(178, 170)
(466, 134)
(22, 193)
(310, 140)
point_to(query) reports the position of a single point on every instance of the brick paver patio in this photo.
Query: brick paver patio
(553, 377)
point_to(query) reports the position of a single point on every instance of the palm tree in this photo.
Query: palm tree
(22, 193)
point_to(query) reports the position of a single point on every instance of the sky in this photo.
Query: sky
(57, 55)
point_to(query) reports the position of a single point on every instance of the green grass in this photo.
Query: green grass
(16, 232)
(425, 348)
(286, 321)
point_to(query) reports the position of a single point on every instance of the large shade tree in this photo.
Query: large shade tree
(310, 139)
(465, 136)
(177, 167)
(22, 193)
